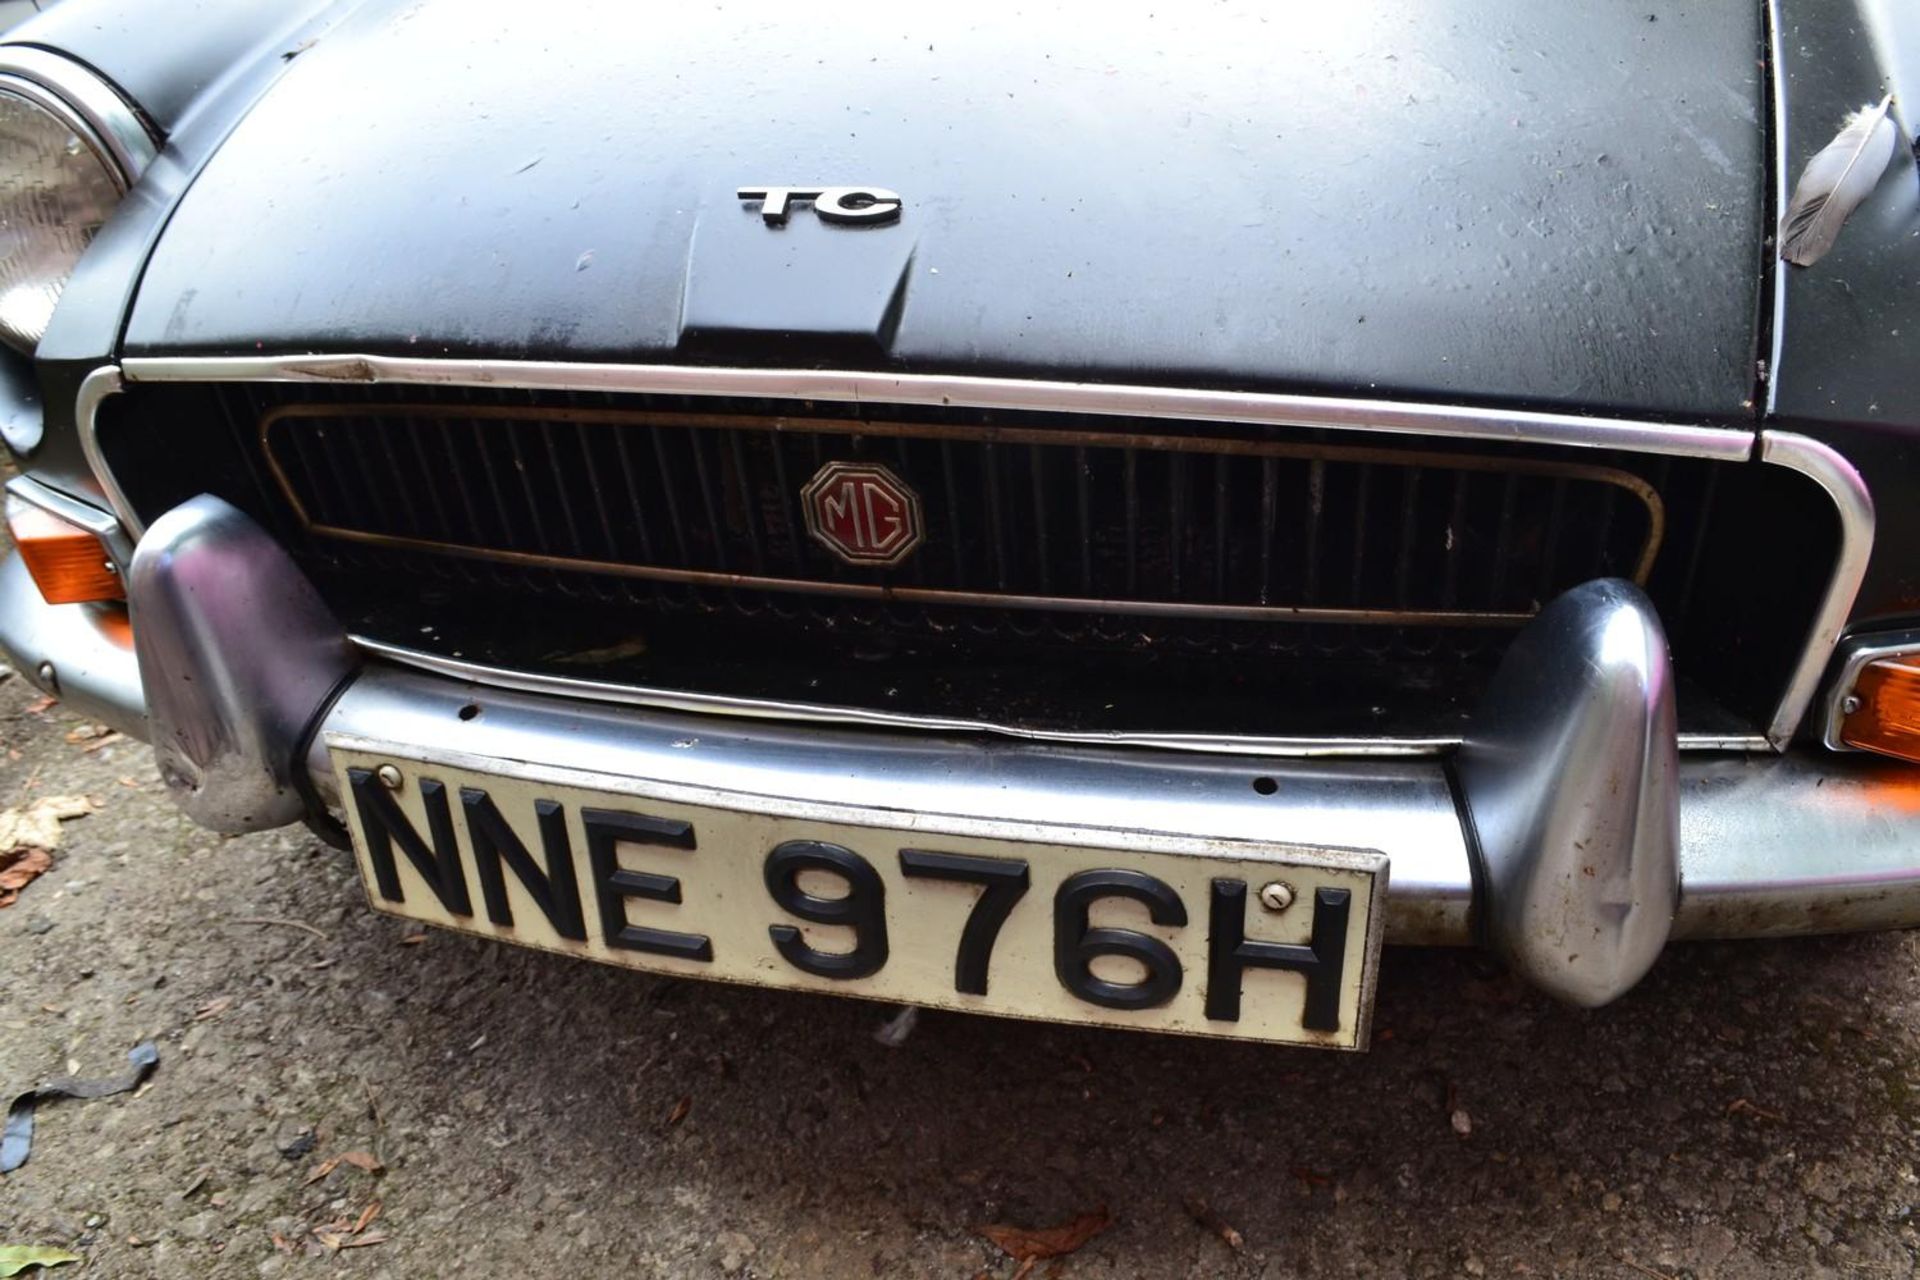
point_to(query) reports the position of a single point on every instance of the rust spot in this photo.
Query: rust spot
(340, 370)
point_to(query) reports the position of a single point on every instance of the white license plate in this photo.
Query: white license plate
(1067, 923)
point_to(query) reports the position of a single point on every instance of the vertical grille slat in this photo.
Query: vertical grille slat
(676, 522)
(598, 490)
(1363, 477)
(524, 474)
(791, 534)
(709, 500)
(1409, 529)
(356, 502)
(1222, 509)
(1042, 560)
(750, 515)
(1082, 501)
(430, 479)
(996, 522)
(1503, 542)
(563, 499)
(1455, 545)
(634, 502)
(1269, 503)
(1310, 545)
(956, 540)
(1550, 543)
(915, 568)
(1176, 521)
(1131, 467)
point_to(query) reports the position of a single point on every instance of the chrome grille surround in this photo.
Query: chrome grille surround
(1842, 483)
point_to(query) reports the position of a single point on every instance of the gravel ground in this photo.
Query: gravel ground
(1749, 1111)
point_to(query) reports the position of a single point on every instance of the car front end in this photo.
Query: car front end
(1133, 524)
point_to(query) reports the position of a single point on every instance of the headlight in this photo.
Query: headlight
(69, 148)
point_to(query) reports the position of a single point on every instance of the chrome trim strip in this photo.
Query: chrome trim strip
(95, 521)
(1016, 601)
(818, 713)
(88, 103)
(1117, 400)
(1832, 472)
(1856, 653)
(94, 389)
(1770, 262)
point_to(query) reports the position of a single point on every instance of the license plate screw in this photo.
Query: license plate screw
(390, 779)
(1276, 895)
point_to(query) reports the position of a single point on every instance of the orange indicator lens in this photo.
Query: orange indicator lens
(67, 563)
(1883, 714)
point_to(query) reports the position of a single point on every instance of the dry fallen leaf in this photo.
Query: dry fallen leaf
(1028, 1246)
(281, 1243)
(361, 1242)
(37, 825)
(213, 1008)
(367, 1215)
(107, 741)
(18, 869)
(15, 1258)
(365, 1161)
(679, 1111)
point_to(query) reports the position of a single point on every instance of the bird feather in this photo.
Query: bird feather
(1835, 181)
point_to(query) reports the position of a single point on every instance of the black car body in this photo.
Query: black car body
(1378, 443)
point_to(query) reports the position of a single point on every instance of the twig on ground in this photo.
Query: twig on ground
(283, 922)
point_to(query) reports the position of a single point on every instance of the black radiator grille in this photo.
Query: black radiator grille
(1078, 571)
(1112, 522)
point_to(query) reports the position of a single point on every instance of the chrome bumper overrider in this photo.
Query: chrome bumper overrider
(1576, 798)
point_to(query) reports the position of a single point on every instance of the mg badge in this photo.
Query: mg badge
(863, 513)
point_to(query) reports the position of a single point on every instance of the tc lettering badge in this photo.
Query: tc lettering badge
(857, 206)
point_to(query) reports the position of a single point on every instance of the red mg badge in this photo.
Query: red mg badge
(863, 513)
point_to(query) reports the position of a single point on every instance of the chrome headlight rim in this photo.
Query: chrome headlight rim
(86, 103)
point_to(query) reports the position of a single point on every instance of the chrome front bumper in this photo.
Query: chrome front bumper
(1803, 842)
